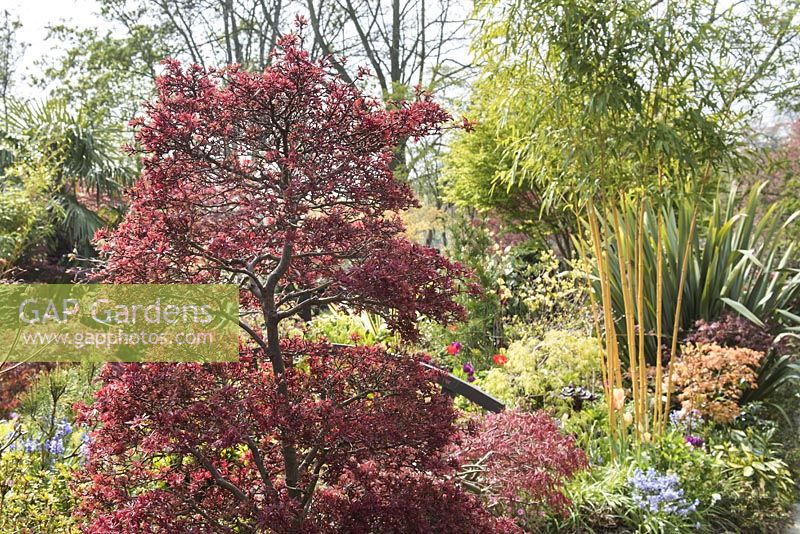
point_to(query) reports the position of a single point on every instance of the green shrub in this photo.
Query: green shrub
(604, 500)
(40, 450)
(36, 497)
(26, 213)
(525, 292)
(738, 477)
(538, 369)
(50, 397)
(776, 371)
(757, 488)
(599, 500)
(338, 326)
(79, 154)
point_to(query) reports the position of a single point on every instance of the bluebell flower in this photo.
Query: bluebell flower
(30, 445)
(675, 417)
(63, 429)
(86, 440)
(658, 493)
(55, 446)
(686, 420)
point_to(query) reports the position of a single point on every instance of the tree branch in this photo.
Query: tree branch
(218, 478)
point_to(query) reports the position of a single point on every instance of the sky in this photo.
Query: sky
(36, 16)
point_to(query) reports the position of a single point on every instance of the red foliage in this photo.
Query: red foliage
(731, 331)
(198, 448)
(285, 172)
(14, 379)
(527, 461)
(406, 501)
(280, 181)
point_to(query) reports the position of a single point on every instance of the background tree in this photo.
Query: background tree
(478, 160)
(105, 72)
(208, 33)
(780, 172)
(10, 52)
(405, 44)
(115, 70)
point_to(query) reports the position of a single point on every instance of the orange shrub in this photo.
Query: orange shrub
(712, 378)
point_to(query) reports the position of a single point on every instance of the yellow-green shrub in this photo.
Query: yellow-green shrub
(339, 325)
(26, 211)
(35, 493)
(539, 368)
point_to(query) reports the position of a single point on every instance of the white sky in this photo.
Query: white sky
(35, 16)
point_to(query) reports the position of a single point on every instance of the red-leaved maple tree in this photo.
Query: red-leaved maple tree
(279, 181)
(201, 448)
(524, 461)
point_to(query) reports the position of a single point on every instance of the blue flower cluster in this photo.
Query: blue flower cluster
(86, 441)
(660, 493)
(30, 445)
(54, 445)
(686, 420)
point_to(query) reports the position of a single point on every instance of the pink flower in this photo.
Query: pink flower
(618, 396)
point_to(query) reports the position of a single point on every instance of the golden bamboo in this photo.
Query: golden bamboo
(676, 326)
(640, 319)
(599, 333)
(657, 406)
(626, 281)
(607, 318)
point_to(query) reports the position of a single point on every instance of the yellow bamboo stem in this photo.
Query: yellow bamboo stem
(599, 335)
(640, 317)
(630, 311)
(595, 319)
(607, 386)
(607, 318)
(676, 326)
(657, 406)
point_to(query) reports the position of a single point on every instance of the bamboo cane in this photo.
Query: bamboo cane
(676, 326)
(599, 334)
(626, 283)
(608, 320)
(657, 406)
(640, 318)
